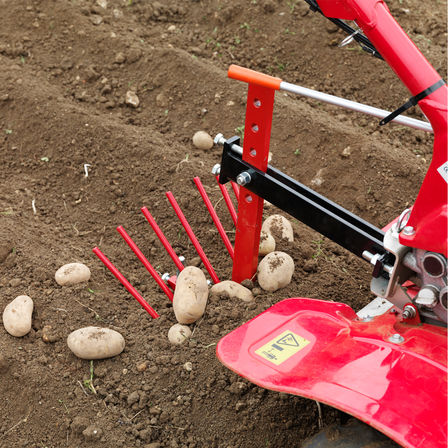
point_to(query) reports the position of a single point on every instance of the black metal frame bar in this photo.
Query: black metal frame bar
(303, 203)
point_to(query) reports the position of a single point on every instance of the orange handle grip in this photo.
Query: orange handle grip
(253, 77)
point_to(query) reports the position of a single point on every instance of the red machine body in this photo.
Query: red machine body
(388, 371)
(430, 212)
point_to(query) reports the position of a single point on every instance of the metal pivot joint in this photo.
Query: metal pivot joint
(243, 178)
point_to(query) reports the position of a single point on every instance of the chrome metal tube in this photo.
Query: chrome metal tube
(353, 105)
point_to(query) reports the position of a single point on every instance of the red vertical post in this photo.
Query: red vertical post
(257, 134)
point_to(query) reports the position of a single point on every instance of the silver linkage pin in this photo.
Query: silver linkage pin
(348, 39)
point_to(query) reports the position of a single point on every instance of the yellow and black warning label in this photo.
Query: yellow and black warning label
(282, 347)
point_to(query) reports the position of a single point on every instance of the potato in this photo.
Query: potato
(190, 295)
(178, 334)
(17, 316)
(278, 226)
(95, 343)
(232, 290)
(202, 140)
(267, 243)
(71, 274)
(275, 271)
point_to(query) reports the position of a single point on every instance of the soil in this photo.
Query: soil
(65, 69)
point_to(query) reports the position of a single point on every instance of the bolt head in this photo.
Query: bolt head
(216, 169)
(243, 178)
(219, 139)
(396, 338)
(408, 230)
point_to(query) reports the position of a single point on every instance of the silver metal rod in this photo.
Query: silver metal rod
(353, 105)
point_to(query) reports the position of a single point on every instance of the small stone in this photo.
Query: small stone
(195, 261)
(153, 445)
(17, 316)
(15, 282)
(132, 99)
(155, 410)
(141, 367)
(96, 19)
(133, 397)
(202, 140)
(120, 58)
(188, 366)
(49, 334)
(318, 180)
(346, 152)
(238, 388)
(102, 3)
(92, 432)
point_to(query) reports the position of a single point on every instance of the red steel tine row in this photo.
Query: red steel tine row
(125, 283)
(192, 236)
(214, 216)
(168, 246)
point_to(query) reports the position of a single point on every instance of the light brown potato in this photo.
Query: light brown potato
(278, 225)
(275, 271)
(178, 334)
(202, 140)
(17, 316)
(232, 290)
(95, 343)
(71, 274)
(190, 295)
(267, 243)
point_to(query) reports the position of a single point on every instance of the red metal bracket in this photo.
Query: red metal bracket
(257, 134)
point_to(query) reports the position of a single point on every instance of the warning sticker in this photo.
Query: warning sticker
(282, 347)
(443, 171)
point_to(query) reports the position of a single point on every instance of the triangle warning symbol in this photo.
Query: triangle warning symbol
(288, 339)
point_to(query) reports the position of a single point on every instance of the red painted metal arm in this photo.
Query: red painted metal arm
(429, 214)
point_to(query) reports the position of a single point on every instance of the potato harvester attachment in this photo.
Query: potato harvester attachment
(386, 364)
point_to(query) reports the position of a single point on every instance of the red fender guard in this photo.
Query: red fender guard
(322, 351)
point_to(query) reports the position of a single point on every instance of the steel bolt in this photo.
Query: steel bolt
(409, 230)
(409, 312)
(243, 178)
(396, 338)
(216, 169)
(219, 139)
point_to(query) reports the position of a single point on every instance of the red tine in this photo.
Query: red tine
(192, 236)
(236, 190)
(145, 262)
(228, 201)
(162, 238)
(214, 216)
(124, 282)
